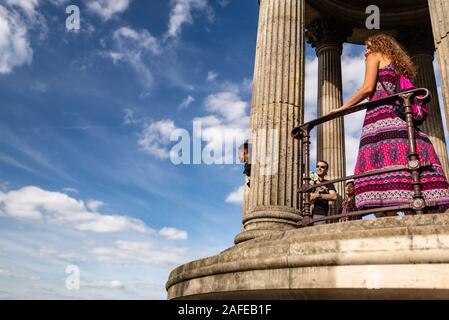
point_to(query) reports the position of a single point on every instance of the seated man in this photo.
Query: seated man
(321, 196)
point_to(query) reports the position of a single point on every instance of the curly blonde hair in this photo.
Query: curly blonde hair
(390, 48)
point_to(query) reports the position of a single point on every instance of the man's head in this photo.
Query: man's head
(244, 152)
(321, 168)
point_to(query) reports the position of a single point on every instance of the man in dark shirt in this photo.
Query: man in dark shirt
(321, 196)
(244, 156)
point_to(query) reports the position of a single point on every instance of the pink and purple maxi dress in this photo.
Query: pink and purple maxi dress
(384, 143)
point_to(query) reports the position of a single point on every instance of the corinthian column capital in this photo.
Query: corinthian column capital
(327, 32)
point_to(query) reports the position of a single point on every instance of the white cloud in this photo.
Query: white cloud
(224, 3)
(140, 40)
(15, 49)
(50, 251)
(211, 76)
(59, 2)
(186, 102)
(181, 13)
(173, 234)
(133, 47)
(106, 9)
(131, 252)
(155, 138)
(94, 205)
(28, 6)
(227, 104)
(114, 284)
(33, 203)
(129, 117)
(236, 196)
(226, 125)
(70, 190)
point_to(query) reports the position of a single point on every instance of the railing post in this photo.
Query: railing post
(413, 157)
(306, 215)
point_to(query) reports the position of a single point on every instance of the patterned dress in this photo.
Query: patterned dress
(384, 143)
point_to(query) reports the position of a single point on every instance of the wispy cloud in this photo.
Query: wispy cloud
(15, 49)
(224, 3)
(186, 102)
(107, 9)
(133, 47)
(211, 76)
(173, 234)
(131, 252)
(7, 159)
(28, 6)
(182, 13)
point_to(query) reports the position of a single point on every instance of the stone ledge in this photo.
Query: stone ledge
(406, 242)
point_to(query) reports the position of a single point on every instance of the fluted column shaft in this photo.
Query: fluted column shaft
(331, 135)
(439, 14)
(433, 126)
(327, 36)
(276, 108)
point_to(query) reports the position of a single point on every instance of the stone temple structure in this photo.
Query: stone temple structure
(392, 257)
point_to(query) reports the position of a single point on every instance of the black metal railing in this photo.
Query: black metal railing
(417, 204)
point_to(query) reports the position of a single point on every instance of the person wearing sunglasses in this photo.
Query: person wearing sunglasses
(321, 196)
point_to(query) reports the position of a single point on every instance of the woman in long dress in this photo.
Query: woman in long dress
(384, 142)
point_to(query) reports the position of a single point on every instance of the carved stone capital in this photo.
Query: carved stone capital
(327, 32)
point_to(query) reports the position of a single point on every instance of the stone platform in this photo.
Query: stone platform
(388, 258)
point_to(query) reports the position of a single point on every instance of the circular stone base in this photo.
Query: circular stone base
(388, 258)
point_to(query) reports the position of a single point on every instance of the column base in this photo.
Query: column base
(267, 220)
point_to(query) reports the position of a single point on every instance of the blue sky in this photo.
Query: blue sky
(86, 177)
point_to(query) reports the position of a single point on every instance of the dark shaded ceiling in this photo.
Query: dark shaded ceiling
(394, 14)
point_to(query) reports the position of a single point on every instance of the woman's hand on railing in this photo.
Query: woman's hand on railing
(337, 110)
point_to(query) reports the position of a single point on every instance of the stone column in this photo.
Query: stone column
(420, 45)
(439, 15)
(327, 36)
(276, 108)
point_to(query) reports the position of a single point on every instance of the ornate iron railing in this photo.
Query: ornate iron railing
(417, 204)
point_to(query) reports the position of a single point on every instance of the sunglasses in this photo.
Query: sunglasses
(323, 167)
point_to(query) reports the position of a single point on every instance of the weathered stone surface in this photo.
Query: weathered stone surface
(276, 108)
(396, 257)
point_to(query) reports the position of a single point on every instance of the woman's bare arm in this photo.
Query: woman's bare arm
(369, 84)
